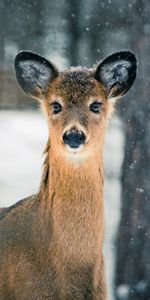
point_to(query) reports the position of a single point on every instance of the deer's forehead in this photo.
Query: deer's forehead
(77, 84)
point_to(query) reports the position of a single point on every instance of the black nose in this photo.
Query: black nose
(74, 138)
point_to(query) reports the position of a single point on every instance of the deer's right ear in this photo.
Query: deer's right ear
(34, 73)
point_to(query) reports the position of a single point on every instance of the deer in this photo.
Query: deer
(51, 243)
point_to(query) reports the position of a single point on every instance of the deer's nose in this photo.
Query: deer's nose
(74, 138)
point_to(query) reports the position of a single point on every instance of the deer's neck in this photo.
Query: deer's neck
(74, 184)
(74, 200)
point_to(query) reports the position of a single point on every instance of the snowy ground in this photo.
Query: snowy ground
(23, 136)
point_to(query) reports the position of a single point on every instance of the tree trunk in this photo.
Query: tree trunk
(2, 35)
(133, 243)
(72, 14)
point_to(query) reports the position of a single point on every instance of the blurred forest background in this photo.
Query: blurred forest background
(82, 32)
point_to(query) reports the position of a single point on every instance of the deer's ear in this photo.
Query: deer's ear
(117, 73)
(34, 73)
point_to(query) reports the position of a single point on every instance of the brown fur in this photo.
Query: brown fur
(51, 243)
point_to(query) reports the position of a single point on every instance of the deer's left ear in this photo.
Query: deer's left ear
(117, 73)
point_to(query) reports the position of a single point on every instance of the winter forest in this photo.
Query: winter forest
(73, 33)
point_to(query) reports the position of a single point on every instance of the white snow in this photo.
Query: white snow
(22, 139)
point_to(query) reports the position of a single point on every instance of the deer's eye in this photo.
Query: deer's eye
(57, 108)
(95, 107)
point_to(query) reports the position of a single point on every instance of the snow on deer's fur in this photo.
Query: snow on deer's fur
(51, 243)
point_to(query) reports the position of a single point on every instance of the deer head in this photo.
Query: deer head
(78, 100)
